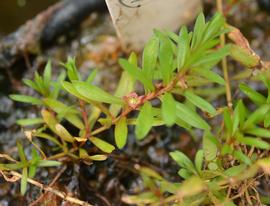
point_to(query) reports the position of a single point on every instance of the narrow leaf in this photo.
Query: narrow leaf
(150, 54)
(200, 102)
(190, 117)
(183, 161)
(28, 122)
(121, 132)
(63, 133)
(168, 109)
(26, 99)
(183, 47)
(199, 160)
(136, 73)
(209, 147)
(254, 142)
(102, 145)
(24, 180)
(48, 163)
(144, 121)
(256, 97)
(96, 94)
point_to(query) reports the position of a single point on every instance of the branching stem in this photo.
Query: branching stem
(160, 90)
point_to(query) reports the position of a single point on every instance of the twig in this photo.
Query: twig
(50, 185)
(85, 118)
(224, 62)
(58, 193)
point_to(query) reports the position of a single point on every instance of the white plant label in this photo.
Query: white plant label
(135, 20)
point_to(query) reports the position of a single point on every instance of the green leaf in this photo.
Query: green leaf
(212, 166)
(136, 73)
(235, 170)
(191, 187)
(68, 113)
(57, 86)
(183, 161)
(259, 132)
(12, 166)
(256, 97)
(32, 170)
(98, 157)
(200, 102)
(228, 121)
(239, 116)
(102, 145)
(72, 72)
(69, 87)
(84, 155)
(183, 47)
(257, 116)
(72, 90)
(184, 173)
(239, 155)
(48, 163)
(121, 132)
(209, 75)
(214, 27)
(150, 173)
(244, 56)
(199, 160)
(31, 84)
(48, 137)
(150, 54)
(209, 147)
(49, 119)
(144, 121)
(91, 76)
(125, 86)
(96, 94)
(182, 124)
(27, 122)
(21, 152)
(33, 163)
(165, 57)
(198, 31)
(26, 99)
(63, 133)
(47, 74)
(190, 117)
(254, 142)
(213, 57)
(24, 180)
(168, 109)
(267, 120)
(42, 88)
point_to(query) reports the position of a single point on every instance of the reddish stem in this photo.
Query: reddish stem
(85, 118)
(160, 90)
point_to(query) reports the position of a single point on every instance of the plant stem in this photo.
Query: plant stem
(85, 118)
(179, 78)
(224, 62)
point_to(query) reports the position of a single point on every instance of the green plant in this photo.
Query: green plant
(172, 65)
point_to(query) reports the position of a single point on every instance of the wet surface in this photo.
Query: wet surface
(15, 12)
